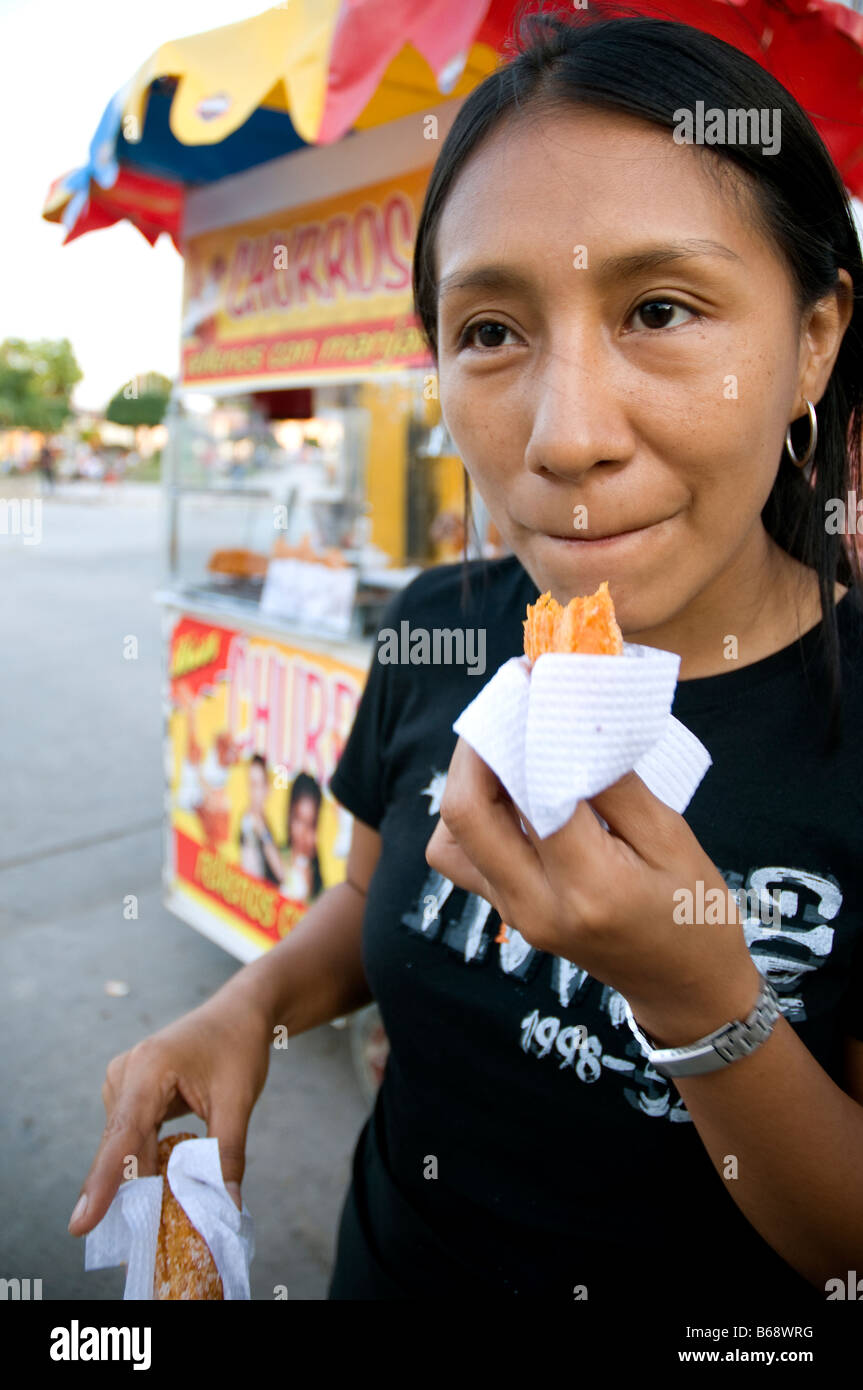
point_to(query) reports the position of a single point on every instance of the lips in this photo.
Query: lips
(612, 535)
(576, 535)
(606, 536)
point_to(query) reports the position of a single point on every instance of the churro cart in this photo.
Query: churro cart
(307, 471)
(307, 474)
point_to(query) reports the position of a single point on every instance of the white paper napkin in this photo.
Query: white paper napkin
(574, 723)
(128, 1232)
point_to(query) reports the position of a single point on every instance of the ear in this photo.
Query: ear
(822, 331)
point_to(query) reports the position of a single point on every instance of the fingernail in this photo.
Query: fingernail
(80, 1208)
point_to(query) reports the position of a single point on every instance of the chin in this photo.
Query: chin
(635, 608)
(577, 576)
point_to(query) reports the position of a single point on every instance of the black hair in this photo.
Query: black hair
(613, 59)
(304, 785)
(258, 759)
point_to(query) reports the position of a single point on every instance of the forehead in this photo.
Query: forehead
(542, 184)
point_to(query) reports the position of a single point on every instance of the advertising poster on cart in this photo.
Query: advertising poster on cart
(255, 728)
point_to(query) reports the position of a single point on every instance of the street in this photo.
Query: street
(81, 831)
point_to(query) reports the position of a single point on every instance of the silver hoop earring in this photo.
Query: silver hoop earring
(813, 438)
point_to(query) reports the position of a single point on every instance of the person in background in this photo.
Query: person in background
(258, 853)
(45, 464)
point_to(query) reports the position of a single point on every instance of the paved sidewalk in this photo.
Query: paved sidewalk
(79, 830)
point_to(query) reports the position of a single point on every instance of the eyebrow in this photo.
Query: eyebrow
(504, 277)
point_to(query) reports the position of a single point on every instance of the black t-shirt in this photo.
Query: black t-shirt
(500, 1155)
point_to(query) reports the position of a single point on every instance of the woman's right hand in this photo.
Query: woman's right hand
(213, 1062)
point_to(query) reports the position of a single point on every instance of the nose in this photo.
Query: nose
(580, 417)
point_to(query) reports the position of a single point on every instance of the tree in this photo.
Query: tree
(36, 380)
(142, 401)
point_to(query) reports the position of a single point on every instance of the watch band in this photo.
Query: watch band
(719, 1048)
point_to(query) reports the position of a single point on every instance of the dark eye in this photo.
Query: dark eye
(656, 313)
(489, 328)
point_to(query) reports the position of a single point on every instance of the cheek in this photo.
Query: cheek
(490, 428)
(479, 404)
(306, 830)
(723, 428)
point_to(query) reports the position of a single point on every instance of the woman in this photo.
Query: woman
(302, 870)
(627, 330)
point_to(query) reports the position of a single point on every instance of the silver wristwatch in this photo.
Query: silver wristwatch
(727, 1044)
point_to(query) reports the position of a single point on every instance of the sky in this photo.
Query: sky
(116, 298)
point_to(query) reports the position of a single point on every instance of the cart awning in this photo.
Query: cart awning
(310, 72)
(307, 72)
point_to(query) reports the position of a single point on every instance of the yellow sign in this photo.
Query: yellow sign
(320, 289)
(256, 730)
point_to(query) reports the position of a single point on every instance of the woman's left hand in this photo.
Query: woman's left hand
(603, 899)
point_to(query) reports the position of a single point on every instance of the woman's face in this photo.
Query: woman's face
(304, 825)
(257, 787)
(620, 384)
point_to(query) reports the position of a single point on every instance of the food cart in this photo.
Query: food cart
(307, 468)
(307, 472)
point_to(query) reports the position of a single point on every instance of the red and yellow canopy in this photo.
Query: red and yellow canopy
(332, 65)
(307, 72)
